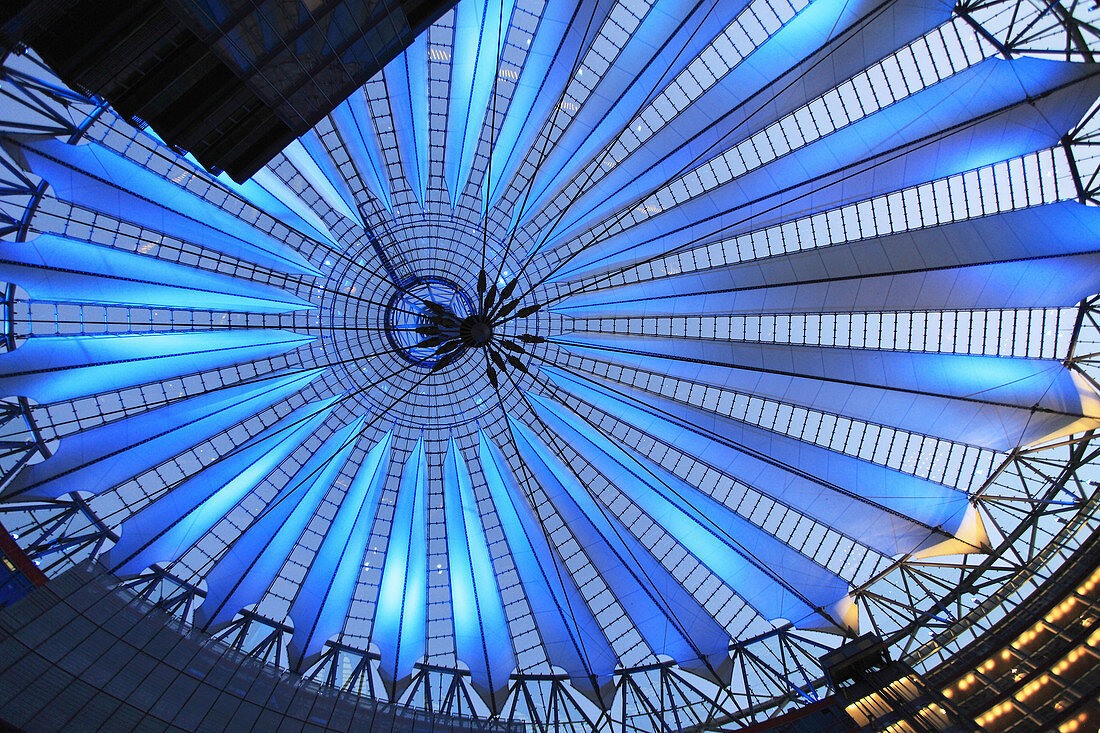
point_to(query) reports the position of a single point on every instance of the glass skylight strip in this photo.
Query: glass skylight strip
(606, 608)
(382, 119)
(749, 29)
(616, 31)
(697, 579)
(286, 584)
(844, 556)
(1032, 333)
(211, 545)
(904, 73)
(920, 455)
(96, 177)
(60, 217)
(93, 410)
(361, 184)
(115, 134)
(1037, 178)
(721, 487)
(129, 497)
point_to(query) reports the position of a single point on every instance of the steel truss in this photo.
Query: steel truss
(1055, 29)
(1037, 506)
(35, 103)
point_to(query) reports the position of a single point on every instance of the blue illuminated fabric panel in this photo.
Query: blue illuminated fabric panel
(54, 368)
(50, 267)
(996, 402)
(565, 622)
(251, 562)
(407, 89)
(400, 619)
(480, 625)
(309, 156)
(889, 510)
(93, 176)
(670, 620)
(790, 66)
(104, 456)
(353, 123)
(774, 578)
(480, 32)
(165, 528)
(994, 110)
(322, 605)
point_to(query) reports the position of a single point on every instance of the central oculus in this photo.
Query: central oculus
(436, 304)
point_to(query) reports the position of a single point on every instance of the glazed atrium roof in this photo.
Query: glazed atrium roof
(618, 351)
